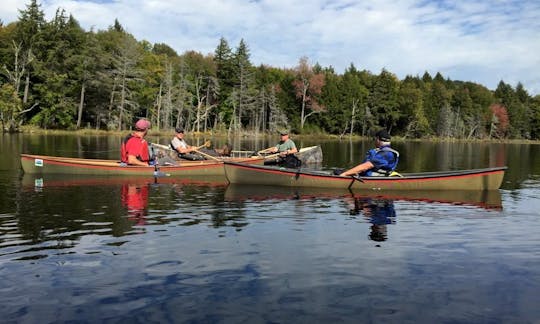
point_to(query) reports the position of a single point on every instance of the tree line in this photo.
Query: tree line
(56, 75)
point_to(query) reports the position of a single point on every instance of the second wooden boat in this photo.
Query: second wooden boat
(476, 179)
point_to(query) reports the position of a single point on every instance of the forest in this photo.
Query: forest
(56, 75)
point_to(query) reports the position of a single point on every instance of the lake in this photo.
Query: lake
(169, 251)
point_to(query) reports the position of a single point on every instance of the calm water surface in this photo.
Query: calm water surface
(131, 250)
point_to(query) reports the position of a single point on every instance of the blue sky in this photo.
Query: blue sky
(480, 41)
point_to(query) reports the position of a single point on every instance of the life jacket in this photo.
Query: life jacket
(124, 155)
(385, 170)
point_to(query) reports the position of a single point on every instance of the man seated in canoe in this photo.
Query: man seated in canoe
(183, 149)
(285, 146)
(286, 149)
(134, 149)
(188, 152)
(380, 161)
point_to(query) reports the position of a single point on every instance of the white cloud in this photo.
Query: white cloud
(479, 41)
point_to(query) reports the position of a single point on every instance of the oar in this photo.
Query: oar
(158, 173)
(265, 150)
(354, 178)
(207, 155)
(271, 156)
(206, 144)
(166, 147)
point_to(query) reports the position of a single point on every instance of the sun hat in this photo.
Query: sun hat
(142, 124)
(179, 129)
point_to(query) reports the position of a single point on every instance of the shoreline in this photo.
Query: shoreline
(247, 134)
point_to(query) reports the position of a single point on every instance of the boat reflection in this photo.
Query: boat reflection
(484, 199)
(38, 182)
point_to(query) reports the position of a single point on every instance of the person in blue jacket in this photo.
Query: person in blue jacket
(380, 161)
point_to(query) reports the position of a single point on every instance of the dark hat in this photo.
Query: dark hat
(179, 129)
(382, 135)
(142, 124)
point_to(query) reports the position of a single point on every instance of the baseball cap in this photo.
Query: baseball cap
(383, 135)
(142, 124)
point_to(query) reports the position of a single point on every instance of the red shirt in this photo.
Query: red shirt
(136, 146)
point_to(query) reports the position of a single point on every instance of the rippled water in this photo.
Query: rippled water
(86, 250)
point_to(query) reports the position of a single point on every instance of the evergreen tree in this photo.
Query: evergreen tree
(383, 100)
(224, 62)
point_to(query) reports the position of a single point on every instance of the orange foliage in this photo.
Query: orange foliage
(500, 119)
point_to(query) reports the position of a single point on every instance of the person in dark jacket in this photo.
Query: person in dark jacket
(380, 161)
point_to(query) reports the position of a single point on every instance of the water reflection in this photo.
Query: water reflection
(379, 212)
(57, 212)
(490, 199)
(135, 199)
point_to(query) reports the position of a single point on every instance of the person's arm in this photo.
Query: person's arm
(132, 160)
(275, 149)
(357, 169)
(184, 150)
(291, 149)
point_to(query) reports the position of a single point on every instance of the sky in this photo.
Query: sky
(483, 41)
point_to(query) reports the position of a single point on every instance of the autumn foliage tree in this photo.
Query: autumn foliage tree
(499, 121)
(308, 85)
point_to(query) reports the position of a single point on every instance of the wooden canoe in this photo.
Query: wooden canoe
(487, 199)
(476, 179)
(42, 164)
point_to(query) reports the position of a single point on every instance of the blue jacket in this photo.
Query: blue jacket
(384, 159)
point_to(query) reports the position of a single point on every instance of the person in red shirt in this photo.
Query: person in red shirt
(134, 150)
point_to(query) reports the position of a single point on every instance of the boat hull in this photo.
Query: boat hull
(40, 164)
(478, 179)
